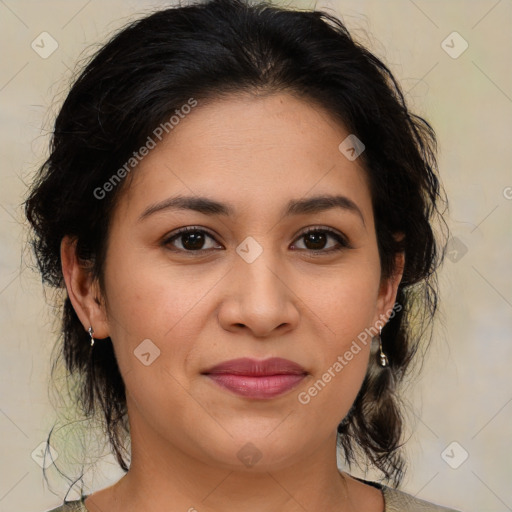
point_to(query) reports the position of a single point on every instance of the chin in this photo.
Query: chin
(258, 453)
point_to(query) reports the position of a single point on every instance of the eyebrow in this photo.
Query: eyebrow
(209, 206)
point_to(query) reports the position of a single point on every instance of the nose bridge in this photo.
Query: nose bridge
(264, 301)
(259, 268)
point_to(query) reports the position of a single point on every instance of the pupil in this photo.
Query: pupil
(318, 240)
(196, 239)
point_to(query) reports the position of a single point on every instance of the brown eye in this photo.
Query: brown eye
(316, 239)
(191, 240)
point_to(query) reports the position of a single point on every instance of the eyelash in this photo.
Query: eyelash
(343, 242)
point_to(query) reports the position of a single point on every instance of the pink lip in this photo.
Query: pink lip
(257, 379)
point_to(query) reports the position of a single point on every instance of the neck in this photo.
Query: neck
(161, 475)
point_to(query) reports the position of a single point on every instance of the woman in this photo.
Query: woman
(240, 207)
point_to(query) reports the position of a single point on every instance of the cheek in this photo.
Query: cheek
(337, 309)
(146, 301)
(343, 361)
(157, 314)
(344, 301)
(154, 318)
(345, 307)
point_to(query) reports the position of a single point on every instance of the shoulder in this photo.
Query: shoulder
(399, 501)
(70, 506)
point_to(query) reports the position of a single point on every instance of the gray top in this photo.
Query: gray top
(394, 501)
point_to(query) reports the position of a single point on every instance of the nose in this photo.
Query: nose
(259, 298)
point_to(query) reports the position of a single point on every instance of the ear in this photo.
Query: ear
(388, 290)
(83, 291)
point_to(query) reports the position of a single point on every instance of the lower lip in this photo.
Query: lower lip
(267, 386)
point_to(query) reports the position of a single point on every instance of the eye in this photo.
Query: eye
(191, 239)
(316, 238)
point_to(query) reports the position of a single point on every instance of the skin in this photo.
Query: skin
(256, 154)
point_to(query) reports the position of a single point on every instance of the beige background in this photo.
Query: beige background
(465, 392)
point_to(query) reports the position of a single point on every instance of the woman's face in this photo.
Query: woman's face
(246, 282)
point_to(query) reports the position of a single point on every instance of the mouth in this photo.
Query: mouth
(255, 379)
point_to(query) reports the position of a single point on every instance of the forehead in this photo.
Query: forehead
(247, 150)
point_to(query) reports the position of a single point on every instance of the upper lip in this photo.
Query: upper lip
(255, 367)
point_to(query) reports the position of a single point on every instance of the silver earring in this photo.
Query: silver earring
(91, 332)
(383, 359)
